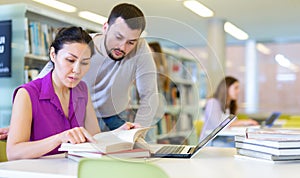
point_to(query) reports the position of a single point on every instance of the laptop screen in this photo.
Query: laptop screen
(270, 121)
(214, 132)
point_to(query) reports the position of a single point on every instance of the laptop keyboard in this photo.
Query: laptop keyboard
(170, 149)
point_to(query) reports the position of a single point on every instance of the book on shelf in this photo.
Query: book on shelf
(267, 156)
(38, 37)
(111, 141)
(273, 134)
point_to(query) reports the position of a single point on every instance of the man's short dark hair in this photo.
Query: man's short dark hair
(132, 15)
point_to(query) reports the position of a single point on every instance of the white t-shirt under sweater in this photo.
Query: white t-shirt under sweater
(109, 81)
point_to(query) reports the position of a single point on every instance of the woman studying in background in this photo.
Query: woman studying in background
(56, 108)
(222, 103)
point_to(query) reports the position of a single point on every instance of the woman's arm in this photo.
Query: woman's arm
(244, 122)
(18, 144)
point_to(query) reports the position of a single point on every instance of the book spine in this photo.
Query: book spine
(26, 33)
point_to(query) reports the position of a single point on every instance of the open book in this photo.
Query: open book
(112, 141)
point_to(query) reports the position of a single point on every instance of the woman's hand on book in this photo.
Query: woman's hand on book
(76, 135)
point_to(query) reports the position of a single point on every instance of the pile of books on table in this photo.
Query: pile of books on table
(118, 144)
(272, 144)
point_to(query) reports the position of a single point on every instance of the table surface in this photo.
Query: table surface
(211, 162)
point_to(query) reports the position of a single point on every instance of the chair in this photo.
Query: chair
(3, 151)
(114, 168)
(292, 122)
(198, 125)
(242, 116)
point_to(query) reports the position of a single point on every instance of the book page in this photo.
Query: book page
(111, 141)
(131, 135)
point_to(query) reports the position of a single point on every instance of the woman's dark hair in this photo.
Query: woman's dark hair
(71, 34)
(132, 15)
(222, 92)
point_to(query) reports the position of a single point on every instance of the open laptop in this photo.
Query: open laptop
(269, 122)
(188, 151)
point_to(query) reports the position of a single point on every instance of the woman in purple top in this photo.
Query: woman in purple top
(56, 108)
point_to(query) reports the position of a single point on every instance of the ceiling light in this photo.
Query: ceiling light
(92, 17)
(57, 5)
(198, 8)
(263, 49)
(235, 31)
(283, 61)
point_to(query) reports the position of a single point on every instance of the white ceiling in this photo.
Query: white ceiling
(263, 20)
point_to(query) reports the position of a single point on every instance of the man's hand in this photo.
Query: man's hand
(129, 125)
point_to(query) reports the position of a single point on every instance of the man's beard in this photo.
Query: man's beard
(110, 54)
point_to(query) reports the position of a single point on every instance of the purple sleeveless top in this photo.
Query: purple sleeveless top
(47, 114)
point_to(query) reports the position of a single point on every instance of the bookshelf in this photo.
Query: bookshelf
(183, 108)
(181, 102)
(22, 54)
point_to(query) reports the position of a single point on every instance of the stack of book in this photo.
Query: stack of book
(275, 145)
(118, 143)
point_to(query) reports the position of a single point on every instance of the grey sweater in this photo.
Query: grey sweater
(110, 81)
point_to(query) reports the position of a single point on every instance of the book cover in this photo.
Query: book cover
(261, 155)
(269, 143)
(242, 157)
(112, 141)
(134, 153)
(270, 150)
(273, 134)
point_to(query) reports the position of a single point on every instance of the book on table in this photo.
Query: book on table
(134, 153)
(275, 145)
(109, 142)
(268, 149)
(276, 151)
(273, 134)
(267, 156)
(281, 143)
(244, 157)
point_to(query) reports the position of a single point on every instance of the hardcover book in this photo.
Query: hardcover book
(134, 153)
(273, 134)
(267, 156)
(112, 141)
(269, 143)
(266, 149)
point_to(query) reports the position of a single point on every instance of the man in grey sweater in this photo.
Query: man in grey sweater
(121, 59)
